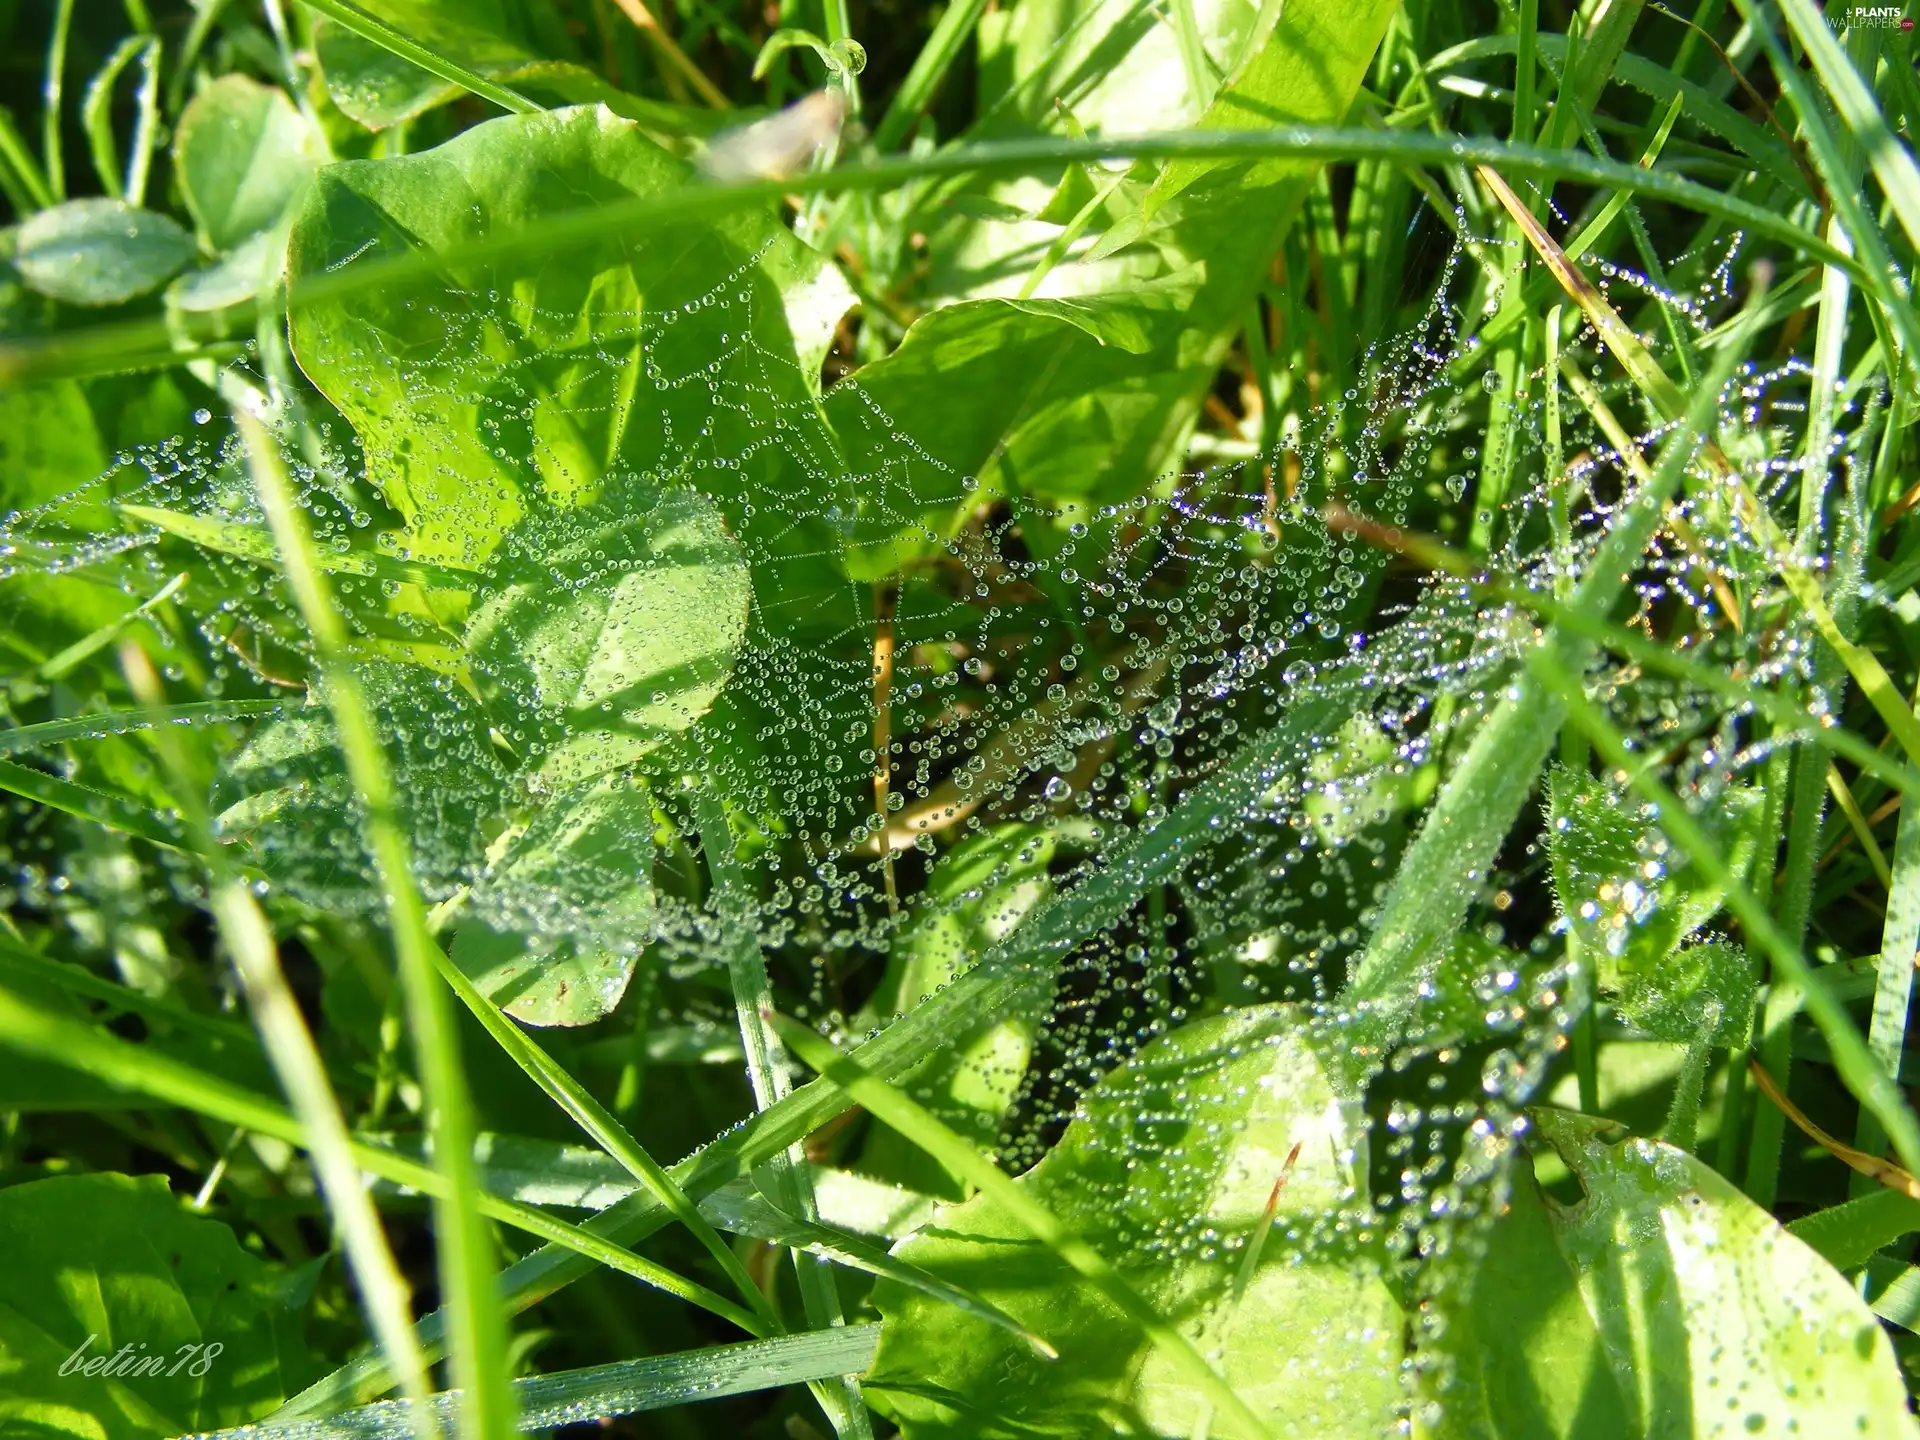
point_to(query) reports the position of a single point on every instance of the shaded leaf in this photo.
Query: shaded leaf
(607, 628)
(287, 795)
(554, 925)
(975, 895)
(1166, 1169)
(100, 252)
(96, 1263)
(1515, 1355)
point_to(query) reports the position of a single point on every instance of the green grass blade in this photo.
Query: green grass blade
(122, 998)
(1850, 1233)
(296, 1062)
(136, 1069)
(628, 1387)
(911, 1120)
(465, 1249)
(753, 999)
(1893, 987)
(96, 113)
(116, 812)
(250, 542)
(950, 35)
(51, 94)
(351, 17)
(24, 169)
(1828, 158)
(1892, 163)
(127, 722)
(605, 1131)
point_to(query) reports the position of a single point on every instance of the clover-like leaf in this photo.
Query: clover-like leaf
(124, 1317)
(1166, 1169)
(288, 796)
(555, 924)
(243, 154)
(604, 629)
(100, 252)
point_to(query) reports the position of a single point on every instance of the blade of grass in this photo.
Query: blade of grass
(1899, 951)
(605, 1131)
(368, 27)
(96, 111)
(1871, 1166)
(1793, 895)
(1445, 866)
(51, 94)
(950, 35)
(465, 1249)
(669, 50)
(64, 662)
(116, 812)
(296, 1061)
(789, 1178)
(1892, 165)
(627, 1387)
(1874, 1088)
(1849, 1233)
(1857, 822)
(124, 999)
(127, 722)
(907, 1117)
(250, 542)
(1828, 158)
(137, 1069)
(25, 170)
(81, 352)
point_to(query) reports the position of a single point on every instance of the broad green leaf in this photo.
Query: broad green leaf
(50, 446)
(100, 252)
(501, 384)
(1002, 397)
(109, 1272)
(1513, 1353)
(287, 794)
(1086, 421)
(553, 926)
(604, 629)
(1166, 1169)
(1713, 1319)
(243, 154)
(977, 893)
(1622, 887)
